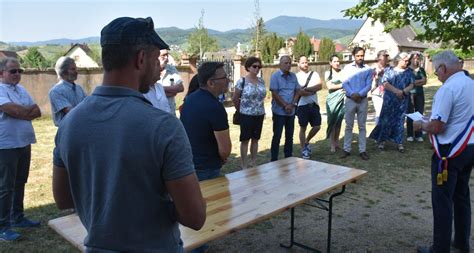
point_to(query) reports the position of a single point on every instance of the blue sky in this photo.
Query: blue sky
(36, 20)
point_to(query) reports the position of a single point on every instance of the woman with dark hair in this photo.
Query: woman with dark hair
(248, 98)
(398, 81)
(416, 102)
(193, 86)
(335, 102)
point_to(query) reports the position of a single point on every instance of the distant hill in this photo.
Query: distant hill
(284, 26)
(88, 40)
(290, 25)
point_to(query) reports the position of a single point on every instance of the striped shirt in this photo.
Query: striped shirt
(64, 95)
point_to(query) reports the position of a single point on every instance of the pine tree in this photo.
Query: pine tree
(34, 59)
(302, 46)
(326, 49)
(271, 43)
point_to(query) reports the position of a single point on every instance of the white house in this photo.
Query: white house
(81, 54)
(371, 36)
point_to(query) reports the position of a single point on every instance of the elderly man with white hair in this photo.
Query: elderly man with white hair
(66, 94)
(451, 129)
(17, 110)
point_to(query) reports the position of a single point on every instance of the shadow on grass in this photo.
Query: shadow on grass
(42, 239)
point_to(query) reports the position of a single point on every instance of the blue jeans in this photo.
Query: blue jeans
(14, 171)
(202, 175)
(452, 198)
(209, 173)
(278, 123)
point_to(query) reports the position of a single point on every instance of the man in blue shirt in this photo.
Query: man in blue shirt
(357, 84)
(205, 121)
(17, 110)
(66, 94)
(125, 166)
(284, 87)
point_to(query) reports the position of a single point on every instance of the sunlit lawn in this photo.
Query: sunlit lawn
(386, 170)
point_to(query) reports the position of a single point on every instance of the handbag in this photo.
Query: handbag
(236, 117)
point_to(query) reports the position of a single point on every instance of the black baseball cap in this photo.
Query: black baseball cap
(131, 31)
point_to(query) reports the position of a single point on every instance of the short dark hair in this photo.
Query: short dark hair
(357, 49)
(118, 56)
(208, 70)
(193, 85)
(251, 60)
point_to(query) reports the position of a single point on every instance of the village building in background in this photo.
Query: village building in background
(82, 55)
(372, 37)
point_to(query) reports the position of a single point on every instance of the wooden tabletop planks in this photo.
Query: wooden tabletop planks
(239, 199)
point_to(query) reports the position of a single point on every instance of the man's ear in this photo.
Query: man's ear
(139, 61)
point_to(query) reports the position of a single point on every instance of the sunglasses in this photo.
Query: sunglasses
(256, 66)
(14, 71)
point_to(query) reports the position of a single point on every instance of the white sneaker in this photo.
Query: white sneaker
(410, 139)
(419, 139)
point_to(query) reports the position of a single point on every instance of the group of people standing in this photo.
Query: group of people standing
(131, 171)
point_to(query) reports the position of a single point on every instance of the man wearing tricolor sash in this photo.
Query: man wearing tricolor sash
(451, 130)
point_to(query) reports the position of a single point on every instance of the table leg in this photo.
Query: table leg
(319, 205)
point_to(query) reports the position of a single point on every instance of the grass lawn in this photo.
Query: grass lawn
(387, 211)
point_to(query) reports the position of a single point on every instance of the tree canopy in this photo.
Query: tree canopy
(303, 46)
(199, 40)
(326, 49)
(448, 21)
(270, 45)
(34, 59)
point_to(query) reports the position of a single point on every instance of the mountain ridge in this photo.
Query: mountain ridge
(282, 25)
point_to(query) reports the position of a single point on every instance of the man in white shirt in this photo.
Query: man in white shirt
(17, 110)
(308, 107)
(451, 129)
(170, 80)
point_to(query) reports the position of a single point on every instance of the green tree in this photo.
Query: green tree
(326, 49)
(271, 43)
(443, 20)
(199, 40)
(302, 45)
(34, 59)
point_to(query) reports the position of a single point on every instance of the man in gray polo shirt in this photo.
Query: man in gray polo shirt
(66, 94)
(125, 166)
(17, 110)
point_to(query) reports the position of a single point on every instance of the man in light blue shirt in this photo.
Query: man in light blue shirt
(65, 95)
(17, 110)
(284, 87)
(357, 83)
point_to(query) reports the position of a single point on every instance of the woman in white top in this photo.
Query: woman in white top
(248, 98)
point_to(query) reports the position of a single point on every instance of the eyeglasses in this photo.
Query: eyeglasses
(219, 78)
(256, 66)
(437, 69)
(14, 71)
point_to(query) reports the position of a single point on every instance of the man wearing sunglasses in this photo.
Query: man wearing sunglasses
(17, 110)
(66, 94)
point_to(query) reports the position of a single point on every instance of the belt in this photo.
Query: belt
(351, 98)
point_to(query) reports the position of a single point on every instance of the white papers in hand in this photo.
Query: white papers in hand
(417, 116)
